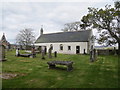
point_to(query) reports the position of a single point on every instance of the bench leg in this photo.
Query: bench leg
(51, 66)
(69, 68)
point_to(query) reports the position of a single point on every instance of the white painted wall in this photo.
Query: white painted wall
(56, 47)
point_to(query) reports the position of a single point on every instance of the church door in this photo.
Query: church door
(77, 49)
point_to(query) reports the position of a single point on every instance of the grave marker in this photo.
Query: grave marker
(50, 52)
(55, 53)
(43, 52)
(32, 52)
(17, 52)
(2, 53)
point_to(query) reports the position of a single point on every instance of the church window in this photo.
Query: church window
(61, 47)
(69, 47)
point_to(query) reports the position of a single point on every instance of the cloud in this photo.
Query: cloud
(56, 0)
(52, 15)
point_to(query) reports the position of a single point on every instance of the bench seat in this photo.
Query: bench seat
(52, 64)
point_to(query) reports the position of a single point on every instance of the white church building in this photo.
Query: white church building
(74, 42)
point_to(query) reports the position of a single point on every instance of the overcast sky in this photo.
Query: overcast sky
(16, 16)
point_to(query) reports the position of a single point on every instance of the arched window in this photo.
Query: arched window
(69, 47)
(51, 46)
(61, 47)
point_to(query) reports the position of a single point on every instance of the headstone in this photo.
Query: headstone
(17, 52)
(84, 51)
(50, 52)
(43, 52)
(94, 55)
(32, 52)
(91, 54)
(2, 53)
(40, 49)
(115, 53)
(55, 53)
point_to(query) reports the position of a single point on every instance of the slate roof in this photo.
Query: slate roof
(75, 36)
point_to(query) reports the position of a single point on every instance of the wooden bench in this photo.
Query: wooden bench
(52, 64)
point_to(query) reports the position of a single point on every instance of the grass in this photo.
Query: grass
(34, 72)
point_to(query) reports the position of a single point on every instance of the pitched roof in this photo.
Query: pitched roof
(3, 40)
(75, 36)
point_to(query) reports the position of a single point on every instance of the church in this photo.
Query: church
(74, 42)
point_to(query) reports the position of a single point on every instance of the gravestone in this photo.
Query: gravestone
(32, 52)
(115, 53)
(50, 52)
(2, 53)
(43, 52)
(96, 54)
(55, 53)
(40, 49)
(84, 51)
(17, 52)
(93, 55)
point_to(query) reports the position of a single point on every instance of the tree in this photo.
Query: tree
(106, 21)
(74, 26)
(25, 37)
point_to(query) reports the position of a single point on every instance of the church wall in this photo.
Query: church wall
(56, 47)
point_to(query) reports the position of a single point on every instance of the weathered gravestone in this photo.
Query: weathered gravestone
(17, 52)
(55, 53)
(93, 55)
(2, 53)
(115, 53)
(84, 51)
(50, 52)
(43, 52)
(32, 53)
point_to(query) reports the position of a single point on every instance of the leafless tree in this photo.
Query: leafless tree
(25, 37)
(74, 26)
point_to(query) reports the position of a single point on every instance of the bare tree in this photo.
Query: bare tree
(25, 37)
(74, 26)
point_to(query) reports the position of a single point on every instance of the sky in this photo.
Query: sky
(16, 15)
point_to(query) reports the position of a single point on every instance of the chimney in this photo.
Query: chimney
(41, 31)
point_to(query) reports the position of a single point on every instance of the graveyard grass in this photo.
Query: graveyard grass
(34, 72)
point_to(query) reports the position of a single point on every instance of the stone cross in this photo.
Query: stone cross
(2, 53)
(50, 52)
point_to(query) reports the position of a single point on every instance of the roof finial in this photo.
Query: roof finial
(41, 26)
(41, 31)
